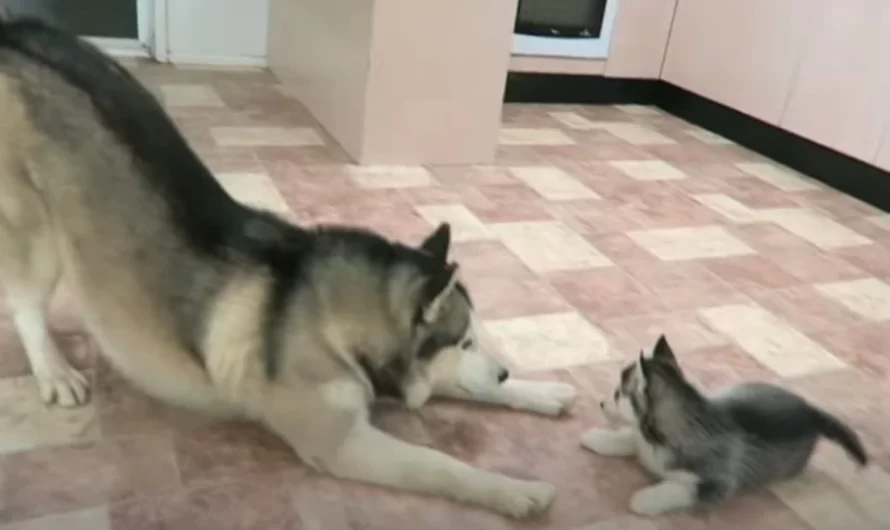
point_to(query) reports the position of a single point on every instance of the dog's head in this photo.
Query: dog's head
(653, 382)
(447, 350)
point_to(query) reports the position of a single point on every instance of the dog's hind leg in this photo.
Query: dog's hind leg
(29, 271)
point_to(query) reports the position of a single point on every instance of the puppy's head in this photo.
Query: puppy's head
(650, 377)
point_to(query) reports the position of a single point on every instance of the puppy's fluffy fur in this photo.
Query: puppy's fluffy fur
(705, 449)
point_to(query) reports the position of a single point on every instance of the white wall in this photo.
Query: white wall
(226, 32)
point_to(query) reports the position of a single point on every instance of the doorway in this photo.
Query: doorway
(124, 28)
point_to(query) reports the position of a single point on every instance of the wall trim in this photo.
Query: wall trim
(160, 47)
(217, 60)
(527, 87)
(119, 47)
(849, 175)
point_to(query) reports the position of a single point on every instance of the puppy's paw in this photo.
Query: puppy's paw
(660, 499)
(609, 443)
(525, 499)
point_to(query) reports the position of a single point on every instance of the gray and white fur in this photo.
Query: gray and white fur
(706, 449)
(209, 304)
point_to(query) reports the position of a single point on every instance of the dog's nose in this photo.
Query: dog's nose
(602, 404)
(503, 375)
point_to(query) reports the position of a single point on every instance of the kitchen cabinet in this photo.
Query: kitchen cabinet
(882, 159)
(741, 53)
(639, 38)
(839, 96)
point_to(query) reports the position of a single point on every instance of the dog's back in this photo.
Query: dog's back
(98, 182)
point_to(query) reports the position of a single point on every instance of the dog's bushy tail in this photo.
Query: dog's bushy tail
(840, 433)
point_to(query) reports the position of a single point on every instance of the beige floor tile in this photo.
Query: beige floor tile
(90, 519)
(819, 230)
(573, 120)
(623, 523)
(266, 136)
(390, 176)
(783, 178)
(639, 110)
(647, 170)
(547, 342)
(707, 137)
(728, 207)
(523, 136)
(882, 221)
(553, 183)
(191, 96)
(817, 499)
(635, 133)
(688, 243)
(771, 340)
(26, 422)
(254, 189)
(865, 489)
(465, 226)
(549, 246)
(869, 297)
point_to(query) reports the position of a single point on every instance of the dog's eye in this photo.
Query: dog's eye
(466, 344)
(617, 394)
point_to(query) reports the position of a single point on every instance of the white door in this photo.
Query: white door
(124, 28)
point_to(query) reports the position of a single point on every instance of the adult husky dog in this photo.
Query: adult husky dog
(212, 305)
(705, 449)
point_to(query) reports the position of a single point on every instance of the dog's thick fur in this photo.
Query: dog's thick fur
(215, 306)
(705, 449)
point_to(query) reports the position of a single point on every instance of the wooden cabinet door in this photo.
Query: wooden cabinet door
(741, 53)
(639, 38)
(841, 95)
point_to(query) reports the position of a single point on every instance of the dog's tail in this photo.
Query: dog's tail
(840, 433)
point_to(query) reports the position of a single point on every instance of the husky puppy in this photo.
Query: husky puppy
(209, 304)
(706, 449)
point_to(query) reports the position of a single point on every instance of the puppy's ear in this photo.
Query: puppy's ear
(663, 352)
(436, 291)
(643, 365)
(438, 243)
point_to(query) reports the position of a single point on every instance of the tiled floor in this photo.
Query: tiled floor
(598, 228)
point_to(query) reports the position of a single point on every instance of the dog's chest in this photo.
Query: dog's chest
(655, 460)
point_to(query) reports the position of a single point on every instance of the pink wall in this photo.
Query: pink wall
(839, 96)
(390, 86)
(741, 53)
(320, 48)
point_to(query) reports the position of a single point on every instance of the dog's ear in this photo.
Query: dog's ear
(438, 243)
(436, 291)
(663, 352)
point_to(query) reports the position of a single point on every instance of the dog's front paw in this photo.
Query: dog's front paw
(525, 499)
(63, 385)
(550, 398)
(609, 443)
(661, 499)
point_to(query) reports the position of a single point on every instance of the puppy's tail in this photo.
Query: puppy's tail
(841, 434)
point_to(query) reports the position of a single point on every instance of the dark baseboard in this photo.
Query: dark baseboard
(587, 89)
(849, 175)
